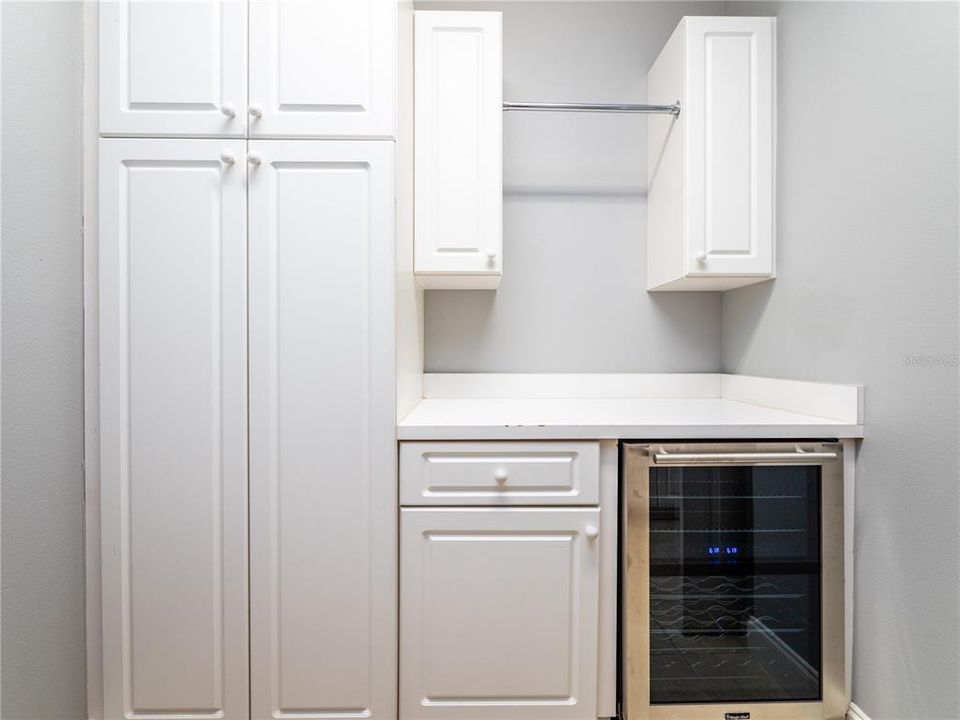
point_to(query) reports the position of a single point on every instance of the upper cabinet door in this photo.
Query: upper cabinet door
(173, 68)
(729, 111)
(322, 68)
(458, 149)
(323, 477)
(173, 428)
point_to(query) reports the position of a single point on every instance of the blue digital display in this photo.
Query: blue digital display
(719, 550)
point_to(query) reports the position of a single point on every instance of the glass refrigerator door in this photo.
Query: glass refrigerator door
(735, 583)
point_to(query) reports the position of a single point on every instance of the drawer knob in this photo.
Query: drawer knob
(500, 475)
(591, 532)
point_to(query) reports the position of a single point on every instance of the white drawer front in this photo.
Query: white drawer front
(499, 473)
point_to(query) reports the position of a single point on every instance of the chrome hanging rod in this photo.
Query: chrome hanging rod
(595, 107)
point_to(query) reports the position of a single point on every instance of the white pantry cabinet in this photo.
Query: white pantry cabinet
(202, 355)
(499, 613)
(711, 172)
(458, 149)
(323, 494)
(316, 68)
(248, 518)
(173, 428)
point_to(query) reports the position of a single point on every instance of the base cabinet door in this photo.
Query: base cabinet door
(173, 448)
(498, 613)
(323, 493)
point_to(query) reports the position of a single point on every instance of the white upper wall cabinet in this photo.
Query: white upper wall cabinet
(458, 149)
(323, 476)
(322, 68)
(173, 428)
(173, 68)
(711, 174)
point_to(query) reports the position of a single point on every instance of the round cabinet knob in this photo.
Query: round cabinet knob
(500, 475)
(591, 532)
(229, 110)
(255, 111)
(702, 257)
(491, 255)
(227, 157)
(253, 159)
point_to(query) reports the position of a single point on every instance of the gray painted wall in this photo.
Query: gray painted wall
(868, 283)
(42, 670)
(572, 297)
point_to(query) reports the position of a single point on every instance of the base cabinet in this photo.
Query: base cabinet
(499, 613)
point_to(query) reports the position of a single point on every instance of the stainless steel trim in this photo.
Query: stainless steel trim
(797, 457)
(596, 107)
(637, 459)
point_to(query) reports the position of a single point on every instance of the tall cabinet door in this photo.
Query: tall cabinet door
(173, 68)
(322, 438)
(173, 429)
(322, 68)
(498, 613)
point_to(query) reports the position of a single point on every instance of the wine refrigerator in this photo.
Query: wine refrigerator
(732, 581)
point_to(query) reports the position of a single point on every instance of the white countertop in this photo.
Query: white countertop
(702, 406)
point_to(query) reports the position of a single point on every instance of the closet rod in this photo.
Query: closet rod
(595, 107)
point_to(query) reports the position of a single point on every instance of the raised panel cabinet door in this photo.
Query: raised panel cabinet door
(323, 68)
(728, 110)
(323, 477)
(173, 68)
(173, 430)
(498, 613)
(458, 149)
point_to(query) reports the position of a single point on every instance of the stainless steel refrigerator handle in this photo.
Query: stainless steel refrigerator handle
(798, 457)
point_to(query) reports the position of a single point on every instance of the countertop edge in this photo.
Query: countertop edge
(630, 432)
